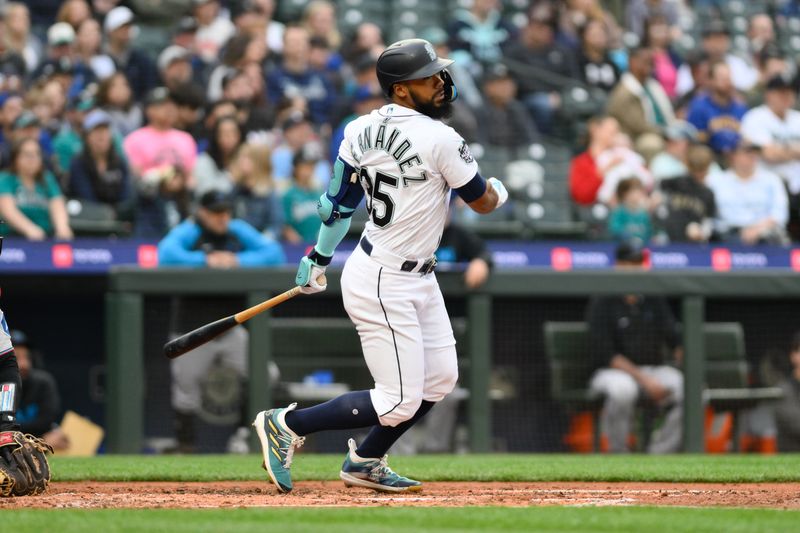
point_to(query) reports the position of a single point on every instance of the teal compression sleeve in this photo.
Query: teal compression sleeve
(330, 235)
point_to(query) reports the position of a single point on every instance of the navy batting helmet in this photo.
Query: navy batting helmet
(413, 59)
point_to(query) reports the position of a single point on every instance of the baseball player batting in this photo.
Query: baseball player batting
(406, 162)
(23, 461)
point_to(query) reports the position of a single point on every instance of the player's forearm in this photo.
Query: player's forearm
(59, 216)
(486, 203)
(620, 362)
(16, 218)
(330, 235)
(493, 197)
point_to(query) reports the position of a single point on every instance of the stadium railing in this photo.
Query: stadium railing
(128, 287)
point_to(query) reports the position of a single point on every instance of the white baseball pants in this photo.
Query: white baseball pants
(621, 392)
(405, 334)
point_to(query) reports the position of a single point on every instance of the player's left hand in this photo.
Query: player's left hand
(502, 192)
(24, 469)
(310, 276)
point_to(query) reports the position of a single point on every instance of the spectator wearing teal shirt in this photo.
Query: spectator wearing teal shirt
(31, 202)
(630, 220)
(300, 201)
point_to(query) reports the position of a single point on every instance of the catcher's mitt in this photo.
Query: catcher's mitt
(24, 469)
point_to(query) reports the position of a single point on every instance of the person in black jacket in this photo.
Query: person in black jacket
(40, 404)
(135, 63)
(99, 173)
(460, 245)
(689, 205)
(630, 338)
(503, 120)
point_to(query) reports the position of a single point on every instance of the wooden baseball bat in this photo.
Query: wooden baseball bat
(203, 334)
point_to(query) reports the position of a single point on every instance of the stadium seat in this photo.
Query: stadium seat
(351, 13)
(492, 160)
(93, 219)
(565, 348)
(596, 219)
(499, 224)
(520, 175)
(548, 218)
(727, 373)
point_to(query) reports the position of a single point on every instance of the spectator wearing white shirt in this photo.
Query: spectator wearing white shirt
(752, 204)
(213, 30)
(775, 127)
(717, 44)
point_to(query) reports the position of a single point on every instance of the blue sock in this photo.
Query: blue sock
(351, 410)
(381, 438)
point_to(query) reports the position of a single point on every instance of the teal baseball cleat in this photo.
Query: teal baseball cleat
(374, 474)
(278, 444)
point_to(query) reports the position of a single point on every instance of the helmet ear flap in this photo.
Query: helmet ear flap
(450, 89)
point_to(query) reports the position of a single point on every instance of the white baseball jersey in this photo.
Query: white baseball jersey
(408, 164)
(762, 127)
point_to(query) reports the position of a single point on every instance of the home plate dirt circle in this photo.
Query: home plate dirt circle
(235, 494)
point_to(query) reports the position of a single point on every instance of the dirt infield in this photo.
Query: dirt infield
(233, 494)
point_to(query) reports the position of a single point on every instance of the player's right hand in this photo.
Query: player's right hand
(309, 274)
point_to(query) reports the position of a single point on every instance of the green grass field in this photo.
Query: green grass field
(494, 467)
(723, 468)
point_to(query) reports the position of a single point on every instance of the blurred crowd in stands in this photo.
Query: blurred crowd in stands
(656, 120)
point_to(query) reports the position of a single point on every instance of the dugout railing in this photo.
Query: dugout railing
(128, 288)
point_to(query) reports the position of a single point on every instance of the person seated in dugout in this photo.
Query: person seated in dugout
(631, 338)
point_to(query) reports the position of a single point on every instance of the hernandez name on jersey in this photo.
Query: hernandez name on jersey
(409, 162)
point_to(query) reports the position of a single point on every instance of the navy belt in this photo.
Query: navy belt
(423, 267)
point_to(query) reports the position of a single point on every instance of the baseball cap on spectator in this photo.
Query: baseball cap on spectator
(715, 27)
(117, 18)
(60, 33)
(26, 119)
(295, 118)
(727, 141)
(497, 71)
(95, 119)
(171, 54)
(186, 25)
(680, 129)
(779, 83)
(156, 96)
(198, 3)
(216, 200)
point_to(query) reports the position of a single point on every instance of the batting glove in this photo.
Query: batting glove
(310, 271)
(502, 192)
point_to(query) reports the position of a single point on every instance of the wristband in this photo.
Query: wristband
(319, 259)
